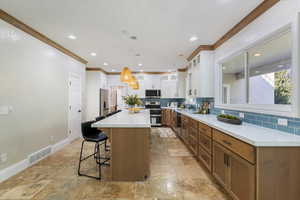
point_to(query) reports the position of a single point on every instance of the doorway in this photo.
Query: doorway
(74, 107)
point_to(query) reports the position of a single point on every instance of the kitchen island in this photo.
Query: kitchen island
(129, 144)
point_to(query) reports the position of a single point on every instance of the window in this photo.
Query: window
(260, 75)
(270, 71)
(234, 84)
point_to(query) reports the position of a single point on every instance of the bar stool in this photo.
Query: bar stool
(93, 135)
(99, 119)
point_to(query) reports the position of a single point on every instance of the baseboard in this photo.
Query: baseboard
(13, 170)
(24, 164)
(58, 146)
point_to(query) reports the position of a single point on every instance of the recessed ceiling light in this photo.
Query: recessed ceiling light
(113, 70)
(257, 54)
(169, 70)
(140, 64)
(193, 38)
(93, 54)
(224, 68)
(105, 64)
(141, 70)
(72, 37)
(280, 66)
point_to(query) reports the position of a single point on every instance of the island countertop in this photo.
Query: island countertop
(124, 119)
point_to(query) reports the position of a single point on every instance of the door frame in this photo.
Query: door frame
(73, 75)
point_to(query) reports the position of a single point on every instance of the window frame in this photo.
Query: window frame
(272, 109)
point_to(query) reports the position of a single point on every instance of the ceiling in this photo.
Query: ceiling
(163, 28)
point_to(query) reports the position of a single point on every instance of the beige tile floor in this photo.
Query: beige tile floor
(175, 174)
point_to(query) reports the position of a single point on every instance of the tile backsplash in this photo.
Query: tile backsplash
(269, 121)
(264, 120)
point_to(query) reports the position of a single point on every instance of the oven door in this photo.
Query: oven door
(155, 112)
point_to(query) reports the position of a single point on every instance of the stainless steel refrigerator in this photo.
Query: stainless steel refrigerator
(104, 107)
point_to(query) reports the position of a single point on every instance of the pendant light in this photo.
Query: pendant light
(126, 75)
(134, 84)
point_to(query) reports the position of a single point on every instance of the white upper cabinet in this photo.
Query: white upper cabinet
(171, 85)
(200, 77)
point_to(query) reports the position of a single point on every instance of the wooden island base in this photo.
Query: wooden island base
(130, 153)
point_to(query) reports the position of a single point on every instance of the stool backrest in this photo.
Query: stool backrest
(86, 129)
(100, 118)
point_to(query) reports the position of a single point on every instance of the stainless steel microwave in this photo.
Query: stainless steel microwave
(152, 94)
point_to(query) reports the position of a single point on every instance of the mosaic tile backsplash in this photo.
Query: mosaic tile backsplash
(264, 120)
(268, 121)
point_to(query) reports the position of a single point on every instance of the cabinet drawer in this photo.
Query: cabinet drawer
(193, 146)
(205, 142)
(193, 123)
(205, 158)
(193, 133)
(243, 149)
(203, 128)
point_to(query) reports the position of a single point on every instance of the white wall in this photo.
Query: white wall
(34, 82)
(282, 14)
(94, 81)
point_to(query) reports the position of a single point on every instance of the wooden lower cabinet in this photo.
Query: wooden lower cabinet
(242, 178)
(163, 117)
(205, 158)
(233, 172)
(220, 169)
(246, 172)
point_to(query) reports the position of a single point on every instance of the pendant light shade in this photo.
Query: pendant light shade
(126, 75)
(134, 83)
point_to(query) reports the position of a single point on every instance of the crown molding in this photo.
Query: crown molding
(27, 29)
(134, 72)
(258, 11)
(200, 48)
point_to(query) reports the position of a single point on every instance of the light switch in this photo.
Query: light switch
(4, 110)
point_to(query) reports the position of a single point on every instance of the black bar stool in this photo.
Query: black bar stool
(93, 135)
(99, 119)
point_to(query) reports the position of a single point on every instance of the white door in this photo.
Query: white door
(74, 107)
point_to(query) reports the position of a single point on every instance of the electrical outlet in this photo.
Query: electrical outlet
(223, 112)
(242, 115)
(282, 122)
(3, 157)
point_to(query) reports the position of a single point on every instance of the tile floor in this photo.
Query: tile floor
(175, 174)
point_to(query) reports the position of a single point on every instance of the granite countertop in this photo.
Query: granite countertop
(124, 119)
(249, 133)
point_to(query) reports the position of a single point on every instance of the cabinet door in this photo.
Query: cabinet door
(242, 178)
(220, 168)
(163, 117)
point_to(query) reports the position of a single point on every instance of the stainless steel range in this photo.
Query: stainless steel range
(155, 112)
